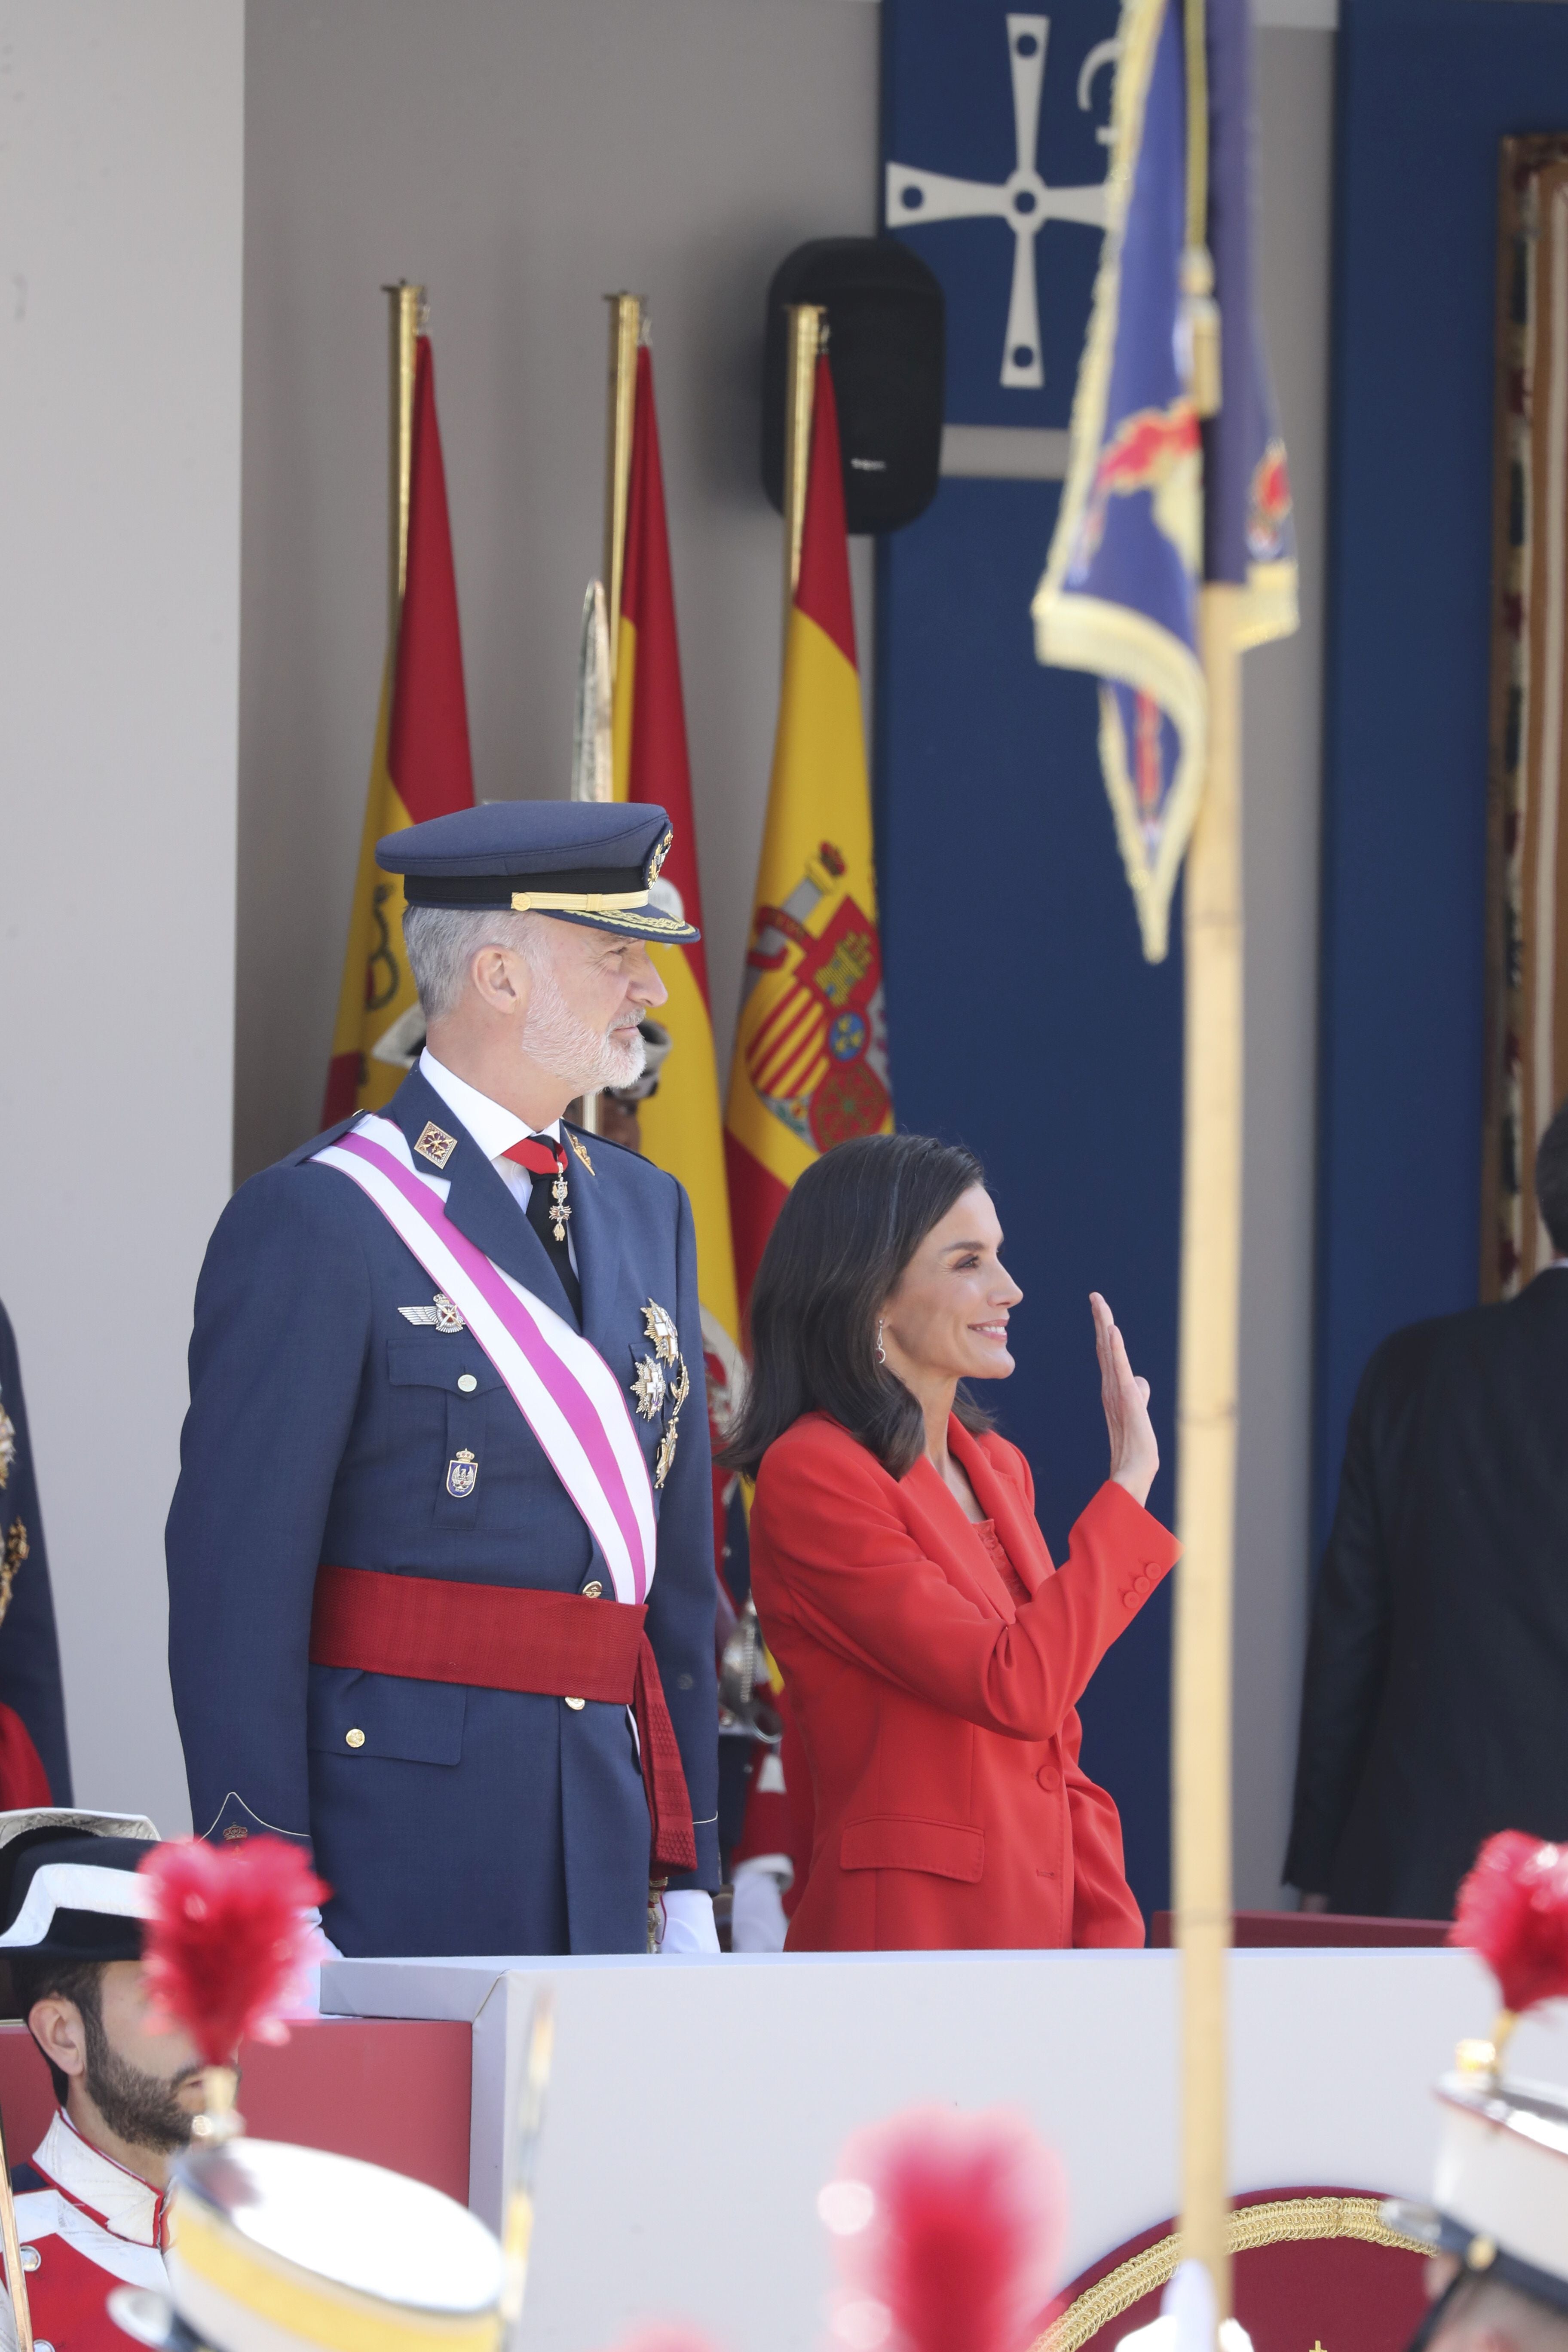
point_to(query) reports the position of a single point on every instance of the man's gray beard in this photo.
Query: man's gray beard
(141, 2109)
(566, 1046)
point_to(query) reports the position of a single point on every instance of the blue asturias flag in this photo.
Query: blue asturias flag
(1157, 500)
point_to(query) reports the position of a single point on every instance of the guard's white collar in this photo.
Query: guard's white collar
(127, 2206)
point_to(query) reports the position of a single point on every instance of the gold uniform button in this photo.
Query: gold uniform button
(593, 1592)
(353, 1738)
(577, 1705)
(467, 1382)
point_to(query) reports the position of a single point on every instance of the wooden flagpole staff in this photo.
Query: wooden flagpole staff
(627, 326)
(805, 327)
(1207, 1423)
(11, 2246)
(1210, 1312)
(409, 315)
(625, 335)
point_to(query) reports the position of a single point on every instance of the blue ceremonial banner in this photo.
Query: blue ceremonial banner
(1157, 501)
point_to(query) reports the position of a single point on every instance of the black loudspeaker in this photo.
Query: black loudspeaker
(887, 349)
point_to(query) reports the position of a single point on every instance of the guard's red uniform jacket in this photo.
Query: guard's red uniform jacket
(87, 2226)
(936, 1694)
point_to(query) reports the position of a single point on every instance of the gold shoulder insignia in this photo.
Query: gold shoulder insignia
(436, 1145)
(581, 1148)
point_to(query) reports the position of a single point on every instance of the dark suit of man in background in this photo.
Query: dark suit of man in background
(1436, 1703)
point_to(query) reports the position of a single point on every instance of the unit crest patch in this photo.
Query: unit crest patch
(462, 1472)
(435, 1144)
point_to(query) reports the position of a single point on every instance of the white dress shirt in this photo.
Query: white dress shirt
(494, 1129)
(687, 1910)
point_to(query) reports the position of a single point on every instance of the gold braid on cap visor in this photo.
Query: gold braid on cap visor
(577, 902)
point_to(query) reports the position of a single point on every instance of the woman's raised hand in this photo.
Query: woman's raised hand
(1134, 1456)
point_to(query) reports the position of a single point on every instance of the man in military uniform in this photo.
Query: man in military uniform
(440, 1559)
(91, 2204)
(35, 1767)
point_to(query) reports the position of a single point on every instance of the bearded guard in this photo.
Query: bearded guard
(441, 1558)
(70, 1902)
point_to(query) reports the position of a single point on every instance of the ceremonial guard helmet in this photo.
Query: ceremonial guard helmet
(1500, 2200)
(273, 2247)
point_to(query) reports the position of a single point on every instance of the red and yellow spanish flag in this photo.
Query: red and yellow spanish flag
(420, 769)
(682, 1126)
(811, 1049)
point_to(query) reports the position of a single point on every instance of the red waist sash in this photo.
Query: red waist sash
(500, 1637)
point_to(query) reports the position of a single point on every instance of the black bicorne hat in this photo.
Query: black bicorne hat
(69, 1884)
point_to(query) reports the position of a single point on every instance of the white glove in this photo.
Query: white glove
(757, 1922)
(1187, 2319)
(687, 1921)
(307, 2000)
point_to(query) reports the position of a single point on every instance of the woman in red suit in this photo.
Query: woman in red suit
(933, 1656)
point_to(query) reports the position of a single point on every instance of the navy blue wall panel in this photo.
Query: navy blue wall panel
(1427, 89)
(1025, 1024)
(1022, 1017)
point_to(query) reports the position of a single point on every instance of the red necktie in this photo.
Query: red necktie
(538, 1155)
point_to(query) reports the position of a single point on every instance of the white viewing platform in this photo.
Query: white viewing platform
(698, 2104)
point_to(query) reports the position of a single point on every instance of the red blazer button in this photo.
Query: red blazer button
(1049, 1777)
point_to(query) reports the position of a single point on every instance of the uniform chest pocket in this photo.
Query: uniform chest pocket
(447, 1361)
(449, 1366)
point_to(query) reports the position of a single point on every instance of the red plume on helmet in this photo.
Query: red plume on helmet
(1512, 1910)
(228, 1938)
(949, 2231)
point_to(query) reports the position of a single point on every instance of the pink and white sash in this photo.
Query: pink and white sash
(559, 1381)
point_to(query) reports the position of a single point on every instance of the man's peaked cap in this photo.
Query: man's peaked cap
(593, 862)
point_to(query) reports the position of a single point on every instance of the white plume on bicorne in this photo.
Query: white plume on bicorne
(1186, 2320)
(593, 758)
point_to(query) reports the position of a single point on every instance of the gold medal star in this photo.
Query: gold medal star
(648, 1387)
(661, 1331)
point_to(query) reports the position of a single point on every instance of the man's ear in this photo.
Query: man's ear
(55, 2024)
(501, 976)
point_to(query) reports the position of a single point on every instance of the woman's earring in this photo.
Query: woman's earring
(881, 1352)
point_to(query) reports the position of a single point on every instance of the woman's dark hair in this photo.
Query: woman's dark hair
(844, 1236)
(1551, 1180)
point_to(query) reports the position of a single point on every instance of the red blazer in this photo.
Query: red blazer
(938, 1718)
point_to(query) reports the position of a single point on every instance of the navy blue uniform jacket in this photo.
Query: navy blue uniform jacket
(321, 1428)
(29, 1653)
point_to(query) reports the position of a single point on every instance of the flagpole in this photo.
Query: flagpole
(625, 334)
(803, 341)
(620, 414)
(408, 316)
(1206, 1448)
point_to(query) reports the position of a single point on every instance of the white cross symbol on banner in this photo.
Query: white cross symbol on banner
(1023, 199)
